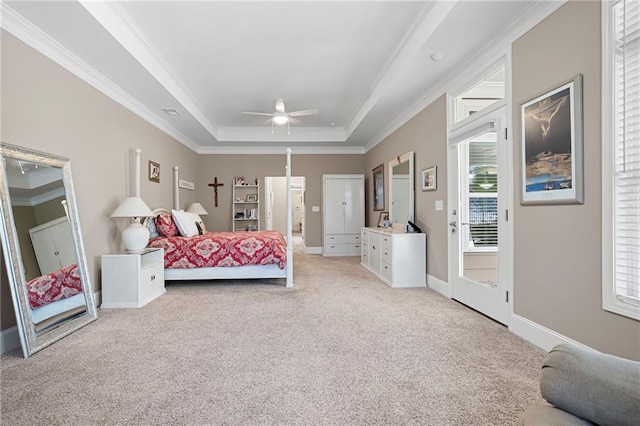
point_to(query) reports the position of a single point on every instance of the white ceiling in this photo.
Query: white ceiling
(366, 65)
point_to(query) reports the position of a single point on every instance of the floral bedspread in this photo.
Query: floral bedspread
(56, 285)
(223, 249)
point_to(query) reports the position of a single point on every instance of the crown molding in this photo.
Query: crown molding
(25, 31)
(117, 22)
(281, 150)
(466, 70)
(281, 134)
(423, 28)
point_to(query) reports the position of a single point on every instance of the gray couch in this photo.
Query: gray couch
(585, 387)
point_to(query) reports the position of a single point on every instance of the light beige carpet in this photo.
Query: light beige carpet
(341, 348)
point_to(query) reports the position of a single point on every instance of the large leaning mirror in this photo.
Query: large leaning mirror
(401, 190)
(43, 247)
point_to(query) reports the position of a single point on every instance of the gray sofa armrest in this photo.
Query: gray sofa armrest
(601, 388)
(547, 415)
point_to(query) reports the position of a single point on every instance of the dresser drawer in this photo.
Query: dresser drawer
(386, 255)
(385, 241)
(151, 279)
(364, 235)
(342, 239)
(353, 249)
(385, 270)
(364, 257)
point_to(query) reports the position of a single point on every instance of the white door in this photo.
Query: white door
(479, 248)
(334, 205)
(353, 205)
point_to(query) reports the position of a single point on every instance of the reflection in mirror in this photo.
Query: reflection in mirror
(43, 247)
(401, 193)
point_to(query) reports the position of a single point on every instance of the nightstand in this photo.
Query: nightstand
(131, 280)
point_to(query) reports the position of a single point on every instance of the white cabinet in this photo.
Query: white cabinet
(397, 258)
(53, 245)
(131, 280)
(245, 206)
(343, 213)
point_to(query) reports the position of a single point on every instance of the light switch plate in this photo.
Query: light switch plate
(315, 209)
(439, 205)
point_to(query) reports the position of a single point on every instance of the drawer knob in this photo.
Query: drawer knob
(153, 277)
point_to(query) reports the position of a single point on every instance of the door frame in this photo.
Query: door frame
(456, 129)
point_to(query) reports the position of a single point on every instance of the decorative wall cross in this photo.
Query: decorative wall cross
(215, 185)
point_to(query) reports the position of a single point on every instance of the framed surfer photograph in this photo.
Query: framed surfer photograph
(552, 164)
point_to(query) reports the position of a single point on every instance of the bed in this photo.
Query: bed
(54, 294)
(222, 255)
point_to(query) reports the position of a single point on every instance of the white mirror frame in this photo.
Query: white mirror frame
(31, 340)
(407, 157)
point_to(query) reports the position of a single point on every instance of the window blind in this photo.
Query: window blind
(483, 194)
(626, 27)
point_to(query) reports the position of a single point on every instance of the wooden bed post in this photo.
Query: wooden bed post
(176, 194)
(289, 224)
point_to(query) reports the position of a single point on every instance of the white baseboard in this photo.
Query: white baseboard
(9, 339)
(438, 285)
(539, 335)
(313, 250)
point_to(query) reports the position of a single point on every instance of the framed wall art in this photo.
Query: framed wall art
(551, 145)
(429, 179)
(378, 188)
(154, 172)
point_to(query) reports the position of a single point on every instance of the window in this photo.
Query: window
(482, 195)
(621, 157)
(482, 94)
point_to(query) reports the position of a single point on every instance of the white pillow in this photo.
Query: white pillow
(186, 223)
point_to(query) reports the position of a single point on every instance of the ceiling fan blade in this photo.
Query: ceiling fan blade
(304, 112)
(257, 113)
(279, 105)
(294, 120)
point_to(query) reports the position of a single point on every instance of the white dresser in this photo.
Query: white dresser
(343, 213)
(397, 258)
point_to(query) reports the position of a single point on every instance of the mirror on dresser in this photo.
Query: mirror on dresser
(43, 247)
(401, 192)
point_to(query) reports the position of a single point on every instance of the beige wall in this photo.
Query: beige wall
(557, 276)
(426, 135)
(558, 248)
(312, 167)
(46, 108)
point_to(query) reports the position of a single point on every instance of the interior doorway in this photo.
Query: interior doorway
(276, 206)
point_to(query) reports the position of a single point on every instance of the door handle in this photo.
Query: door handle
(453, 224)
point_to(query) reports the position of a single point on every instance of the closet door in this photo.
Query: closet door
(61, 234)
(353, 205)
(334, 218)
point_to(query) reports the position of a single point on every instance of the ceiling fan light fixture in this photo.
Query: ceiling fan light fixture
(280, 119)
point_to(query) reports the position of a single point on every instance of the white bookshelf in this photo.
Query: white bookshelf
(245, 213)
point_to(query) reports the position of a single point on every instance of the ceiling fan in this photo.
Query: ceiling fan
(280, 116)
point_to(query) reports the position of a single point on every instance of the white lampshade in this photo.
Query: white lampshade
(197, 209)
(132, 207)
(136, 236)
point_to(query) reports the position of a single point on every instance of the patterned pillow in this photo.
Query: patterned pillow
(165, 225)
(151, 226)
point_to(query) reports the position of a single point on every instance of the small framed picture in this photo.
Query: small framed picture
(251, 198)
(383, 220)
(429, 179)
(239, 180)
(154, 172)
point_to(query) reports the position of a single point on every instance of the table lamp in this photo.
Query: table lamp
(135, 236)
(197, 209)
